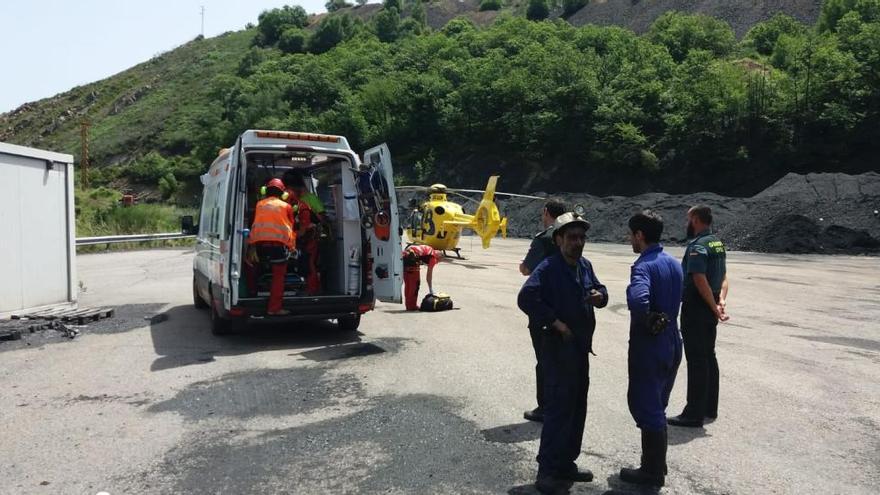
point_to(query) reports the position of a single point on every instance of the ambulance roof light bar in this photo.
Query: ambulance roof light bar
(299, 136)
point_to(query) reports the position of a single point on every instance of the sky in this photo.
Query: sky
(50, 46)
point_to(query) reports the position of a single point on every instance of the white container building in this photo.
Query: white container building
(37, 230)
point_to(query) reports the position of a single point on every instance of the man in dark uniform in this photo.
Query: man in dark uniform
(653, 298)
(703, 306)
(559, 297)
(542, 247)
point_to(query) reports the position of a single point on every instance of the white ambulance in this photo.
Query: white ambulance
(360, 249)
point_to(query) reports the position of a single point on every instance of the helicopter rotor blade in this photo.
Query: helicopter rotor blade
(472, 200)
(480, 191)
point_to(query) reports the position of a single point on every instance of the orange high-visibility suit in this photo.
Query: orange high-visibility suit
(272, 233)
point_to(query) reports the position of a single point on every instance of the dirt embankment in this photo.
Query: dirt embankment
(815, 213)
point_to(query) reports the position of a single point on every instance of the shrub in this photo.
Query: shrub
(334, 5)
(293, 40)
(490, 5)
(537, 10)
(273, 22)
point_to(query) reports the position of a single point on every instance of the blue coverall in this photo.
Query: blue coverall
(655, 285)
(556, 290)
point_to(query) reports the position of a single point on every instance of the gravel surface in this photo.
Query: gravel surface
(418, 403)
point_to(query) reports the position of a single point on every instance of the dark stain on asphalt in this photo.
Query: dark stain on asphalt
(866, 344)
(780, 323)
(781, 281)
(405, 444)
(514, 433)
(353, 349)
(262, 392)
(125, 318)
(133, 400)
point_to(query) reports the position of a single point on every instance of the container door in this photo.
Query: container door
(384, 232)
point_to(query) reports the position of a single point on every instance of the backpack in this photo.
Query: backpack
(436, 302)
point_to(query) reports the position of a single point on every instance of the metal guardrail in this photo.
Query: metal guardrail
(112, 239)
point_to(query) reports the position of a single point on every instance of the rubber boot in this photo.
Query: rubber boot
(653, 468)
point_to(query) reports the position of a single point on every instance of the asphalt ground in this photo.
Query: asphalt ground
(432, 403)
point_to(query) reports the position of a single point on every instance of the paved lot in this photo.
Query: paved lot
(432, 403)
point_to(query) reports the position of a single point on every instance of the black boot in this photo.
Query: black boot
(653, 469)
(536, 414)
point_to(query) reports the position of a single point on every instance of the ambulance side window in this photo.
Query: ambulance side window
(207, 209)
(216, 210)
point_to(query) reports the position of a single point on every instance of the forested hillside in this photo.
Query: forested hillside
(684, 107)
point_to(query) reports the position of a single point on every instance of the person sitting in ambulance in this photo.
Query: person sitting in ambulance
(272, 238)
(413, 258)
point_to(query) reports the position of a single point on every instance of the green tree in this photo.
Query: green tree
(331, 31)
(410, 26)
(387, 24)
(271, 23)
(458, 26)
(250, 61)
(763, 36)
(392, 4)
(334, 5)
(418, 13)
(149, 168)
(293, 40)
(168, 185)
(681, 33)
(537, 10)
(834, 10)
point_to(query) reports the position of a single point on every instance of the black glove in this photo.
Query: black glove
(657, 322)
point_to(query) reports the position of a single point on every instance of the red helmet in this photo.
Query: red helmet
(275, 183)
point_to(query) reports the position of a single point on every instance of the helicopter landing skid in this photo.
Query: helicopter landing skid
(457, 253)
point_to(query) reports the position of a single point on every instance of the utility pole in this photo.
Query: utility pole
(84, 158)
(203, 21)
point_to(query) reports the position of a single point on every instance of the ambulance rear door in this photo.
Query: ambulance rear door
(384, 232)
(236, 233)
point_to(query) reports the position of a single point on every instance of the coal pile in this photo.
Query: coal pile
(814, 213)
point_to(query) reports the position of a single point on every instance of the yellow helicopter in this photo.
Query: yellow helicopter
(438, 222)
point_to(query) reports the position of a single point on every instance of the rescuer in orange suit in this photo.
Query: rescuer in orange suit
(413, 258)
(272, 238)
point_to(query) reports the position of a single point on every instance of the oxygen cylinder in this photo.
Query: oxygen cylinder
(354, 271)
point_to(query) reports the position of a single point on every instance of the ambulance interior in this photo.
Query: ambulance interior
(337, 234)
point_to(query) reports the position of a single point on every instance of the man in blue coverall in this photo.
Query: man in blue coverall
(653, 298)
(559, 297)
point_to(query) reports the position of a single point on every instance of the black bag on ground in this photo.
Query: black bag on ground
(436, 302)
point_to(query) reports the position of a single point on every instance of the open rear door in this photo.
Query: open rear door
(385, 243)
(236, 205)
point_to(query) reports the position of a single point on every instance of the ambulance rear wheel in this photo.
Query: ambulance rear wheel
(349, 323)
(219, 325)
(198, 302)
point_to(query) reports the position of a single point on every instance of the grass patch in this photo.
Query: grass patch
(99, 213)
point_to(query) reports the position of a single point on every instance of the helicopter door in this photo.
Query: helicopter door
(384, 226)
